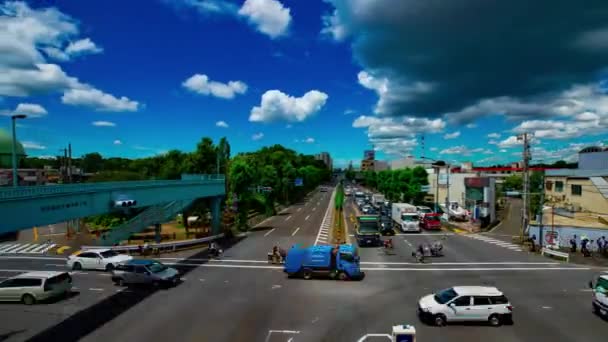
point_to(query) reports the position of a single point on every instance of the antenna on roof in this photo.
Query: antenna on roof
(422, 145)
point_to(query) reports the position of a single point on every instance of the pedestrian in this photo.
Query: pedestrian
(573, 244)
(584, 249)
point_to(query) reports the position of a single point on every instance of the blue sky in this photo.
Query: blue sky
(137, 78)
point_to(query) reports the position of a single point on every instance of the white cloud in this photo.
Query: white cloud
(221, 124)
(391, 93)
(28, 37)
(462, 150)
(503, 150)
(492, 142)
(268, 16)
(471, 125)
(276, 105)
(333, 27)
(349, 112)
(82, 47)
(200, 83)
(452, 135)
(309, 140)
(49, 157)
(207, 6)
(90, 97)
(257, 136)
(117, 142)
(433, 149)
(288, 126)
(493, 135)
(31, 145)
(511, 141)
(103, 124)
(32, 110)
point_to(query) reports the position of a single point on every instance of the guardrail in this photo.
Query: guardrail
(160, 246)
(27, 191)
(555, 253)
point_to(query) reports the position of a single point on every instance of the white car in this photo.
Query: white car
(423, 210)
(96, 259)
(466, 303)
(32, 287)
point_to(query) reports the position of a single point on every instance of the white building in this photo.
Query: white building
(408, 162)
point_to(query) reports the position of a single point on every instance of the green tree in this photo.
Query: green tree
(92, 162)
(513, 183)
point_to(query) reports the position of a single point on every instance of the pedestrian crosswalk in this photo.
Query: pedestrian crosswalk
(496, 242)
(26, 248)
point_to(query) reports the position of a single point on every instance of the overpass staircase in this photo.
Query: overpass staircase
(150, 216)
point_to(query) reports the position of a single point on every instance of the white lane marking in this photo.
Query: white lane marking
(284, 331)
(327, 219)
(426, 234)
(546, 307)
(364, 337)
(318, 203)
(58, 265)
(407, 242)
(202, 279)
(295, 231)
(315, 208)
(300, 208)
(7, 247)
(460, 263)
(270, 231)
(307, 217)
(288, 217)
(586, 290)
(95, 289)
(479, 269)
(274, 287)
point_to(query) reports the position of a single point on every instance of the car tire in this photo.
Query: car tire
(28, 299)
(343, 276)
(77, 266)
(439, 320)
(109, 268)
(120, 282)
(495, 320)
(307, 274)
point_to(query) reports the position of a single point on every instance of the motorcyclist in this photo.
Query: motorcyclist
(437, 247)
(276, 254)
(388, 244)
(213, 249)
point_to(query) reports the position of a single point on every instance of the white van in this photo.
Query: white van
(466, 303)
(32, 287)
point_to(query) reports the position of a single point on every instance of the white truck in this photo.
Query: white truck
(600, 295)
(405, 217)
(378, 200)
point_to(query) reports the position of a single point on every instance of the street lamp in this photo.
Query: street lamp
(437, 165)
(14, 119)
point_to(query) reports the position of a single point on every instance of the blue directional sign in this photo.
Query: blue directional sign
(425, 188)
(299, 182)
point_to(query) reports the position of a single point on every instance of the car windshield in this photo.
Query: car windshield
(108, 254)
(432, 218)
(157, 267)
(445, 296)
(425, 210)
(603, 283)
(409, 218)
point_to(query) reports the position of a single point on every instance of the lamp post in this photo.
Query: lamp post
(13, 120)
(437, 166)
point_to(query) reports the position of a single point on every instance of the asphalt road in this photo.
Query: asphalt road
(242, 298)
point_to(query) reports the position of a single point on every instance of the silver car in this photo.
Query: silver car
(144, 271)
(32, 287)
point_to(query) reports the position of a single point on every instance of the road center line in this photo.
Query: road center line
(95, 289)
(306, 219)
(300, 208)
(288, 217)
(270, 231)
(295, 231)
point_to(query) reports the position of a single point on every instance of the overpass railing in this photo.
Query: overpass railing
(163, 246)
(29, 191)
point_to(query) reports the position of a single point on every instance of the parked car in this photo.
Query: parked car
(96, 259)
(144, 271)
(32, 287)
(466, 303)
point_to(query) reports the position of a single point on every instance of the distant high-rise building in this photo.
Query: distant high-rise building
(380, 165)
(326, 158)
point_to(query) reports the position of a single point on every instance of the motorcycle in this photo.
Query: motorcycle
(215, 252)
(277, 257)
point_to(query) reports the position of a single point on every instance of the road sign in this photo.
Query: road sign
(425, 188)
(299, 182)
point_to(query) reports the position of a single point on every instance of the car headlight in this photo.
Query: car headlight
(425, 309)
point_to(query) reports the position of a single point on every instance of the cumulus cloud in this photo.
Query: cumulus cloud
(28, 38)
(493, 135)
(117, 142)
(200, 83)
(309, 140)
(268, 16)
(433, 148)
(423, 50)
(471, 125)
(32, 145)
(90, 97)
(276, 105)
(453, 135)
(103, 124)
(461, 150)
(492, 142)
(257, 136)
(32, 110)
(222, 124)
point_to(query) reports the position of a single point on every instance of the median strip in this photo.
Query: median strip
(338, 225)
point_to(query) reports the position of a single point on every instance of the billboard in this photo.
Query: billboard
(369, 155)
(299, 182)
(477, 182)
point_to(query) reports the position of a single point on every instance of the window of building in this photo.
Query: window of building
(576, 189)
(549, 185)
(559, 186)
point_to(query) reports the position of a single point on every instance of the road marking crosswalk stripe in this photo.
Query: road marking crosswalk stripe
(23, 248)
(6, 247)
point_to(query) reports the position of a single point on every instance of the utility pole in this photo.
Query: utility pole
(526, 192)
(540, 219)
(69, 163)
(447, 198)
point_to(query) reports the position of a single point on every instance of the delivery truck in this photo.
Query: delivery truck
(378, 201)
(405, 217)
(367, 230)
(336, 262)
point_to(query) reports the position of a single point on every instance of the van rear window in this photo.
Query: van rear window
(499, 300)
(59, 279)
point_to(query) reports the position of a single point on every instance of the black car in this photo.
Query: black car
(386, 226)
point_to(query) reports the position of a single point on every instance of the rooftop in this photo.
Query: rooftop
(576, 173)
(477, 290)
(39, 274)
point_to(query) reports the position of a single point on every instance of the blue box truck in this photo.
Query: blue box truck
(341, 262)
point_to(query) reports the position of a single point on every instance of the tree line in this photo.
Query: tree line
(254, 180)
(403, 185)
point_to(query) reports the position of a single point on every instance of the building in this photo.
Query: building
(409, 162)
(368, 165)
(576, 199)
(6, 150)
(380, 165)
(326, 158)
